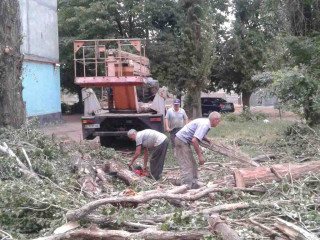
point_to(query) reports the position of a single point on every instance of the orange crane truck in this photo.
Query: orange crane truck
(118, 67)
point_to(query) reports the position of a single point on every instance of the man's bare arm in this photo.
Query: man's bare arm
(167, 124)
(136, 155)
(195, 143)
(145, 159)
(206, 139)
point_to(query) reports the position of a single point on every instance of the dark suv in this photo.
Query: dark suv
(210, 104)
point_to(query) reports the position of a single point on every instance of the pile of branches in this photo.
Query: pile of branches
(88, 192)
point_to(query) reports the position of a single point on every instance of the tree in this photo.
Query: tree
(182, 55)
(12, 109)
(243, 52)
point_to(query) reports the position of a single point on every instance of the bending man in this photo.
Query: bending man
(193, 133)
(150, 139)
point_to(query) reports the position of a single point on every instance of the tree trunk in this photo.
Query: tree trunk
(193, 102)
(247, 177)
(12, 109)
(246, 100)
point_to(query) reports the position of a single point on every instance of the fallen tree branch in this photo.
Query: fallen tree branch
(216, 225)
(294, 231)
(147, 234)
(232, 152)
(221, 208)
(22, 168)
(272, 232)
(75, 215)
(27, 158)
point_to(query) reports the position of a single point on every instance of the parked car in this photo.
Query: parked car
(210, 104)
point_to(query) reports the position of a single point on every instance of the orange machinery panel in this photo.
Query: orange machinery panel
(125, 97)
(126, 71)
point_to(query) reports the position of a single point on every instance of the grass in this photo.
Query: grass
(256, 131)
(253, 137)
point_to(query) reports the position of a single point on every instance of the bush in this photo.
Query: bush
(245, 116)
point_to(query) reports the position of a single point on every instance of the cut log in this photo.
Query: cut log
(216, 225)
(148, 234)
(127, 176)
(232, 152)
(247, 177)
(101, 175)
(293, 231)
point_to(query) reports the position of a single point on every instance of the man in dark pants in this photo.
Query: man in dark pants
(175, 118)
(150, 139)
(192, 134)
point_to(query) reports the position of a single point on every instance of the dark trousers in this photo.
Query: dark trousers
(157, 159)
(173, 133)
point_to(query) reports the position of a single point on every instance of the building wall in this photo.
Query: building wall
(42, 88)
(41, 69)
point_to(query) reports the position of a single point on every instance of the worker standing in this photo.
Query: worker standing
(150, 139)
(193, 133)
(174, 119)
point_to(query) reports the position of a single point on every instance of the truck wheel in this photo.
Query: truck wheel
(106, 141)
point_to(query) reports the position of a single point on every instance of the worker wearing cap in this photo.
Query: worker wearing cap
(154, 140)
(192, 134)
(174, 119)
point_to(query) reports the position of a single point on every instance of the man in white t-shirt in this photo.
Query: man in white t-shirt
(154, 140)
(174, 120)
(192, 134)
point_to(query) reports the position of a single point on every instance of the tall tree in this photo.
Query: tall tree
(196, 58)
(243, 52)
(12, 109)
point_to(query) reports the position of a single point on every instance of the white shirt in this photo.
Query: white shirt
(149, 138)
(176, 118)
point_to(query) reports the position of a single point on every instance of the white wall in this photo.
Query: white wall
(40, 29)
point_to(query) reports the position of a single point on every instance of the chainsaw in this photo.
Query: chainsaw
(138, 170)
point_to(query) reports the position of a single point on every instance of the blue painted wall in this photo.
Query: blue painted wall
(41, 91)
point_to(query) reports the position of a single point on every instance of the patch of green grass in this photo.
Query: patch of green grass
(251, 136)
(256, 131)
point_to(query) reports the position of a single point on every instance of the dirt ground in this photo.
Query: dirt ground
(71, 126)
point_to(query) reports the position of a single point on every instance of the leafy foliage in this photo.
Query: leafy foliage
(243, 51)
(245, 116)
(35, 208)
